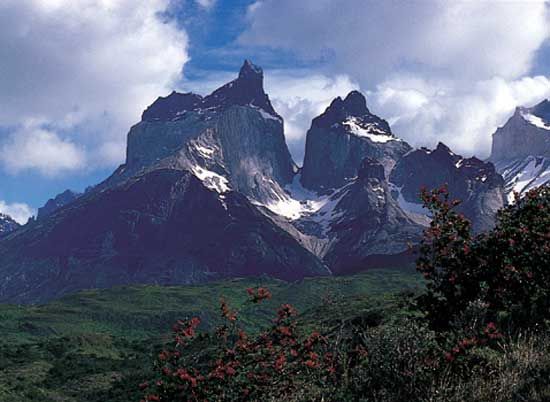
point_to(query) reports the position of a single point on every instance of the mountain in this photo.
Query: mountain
(162, 227)
(356, 202)
(181, 209)
(231, 138)
(474, 182)
(521, 149)
(372, 229)
(53, 204)
(209, 190)
(341, 137)
(7, 225)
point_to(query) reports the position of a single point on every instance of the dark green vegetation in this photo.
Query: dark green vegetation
(476, 328)
(478, 332)
(99, 345)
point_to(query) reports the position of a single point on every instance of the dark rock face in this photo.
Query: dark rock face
(474, 182)
(372, 228)
(53, 204)
(7, 225)
(163, 227)
(341, 138)
(246, 90)
(521, 149)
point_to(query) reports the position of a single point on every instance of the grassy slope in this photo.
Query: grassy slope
(76, 348)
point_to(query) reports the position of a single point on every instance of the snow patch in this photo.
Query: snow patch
(266, 115)
(536, 121)
(212, 180)
(407, 206)
(370, 131)
(522, 175)
(299, 203)
(204, 151)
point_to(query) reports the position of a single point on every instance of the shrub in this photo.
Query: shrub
(507, 268)
(233, 365)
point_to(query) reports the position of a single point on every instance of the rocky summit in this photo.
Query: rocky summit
(341, 137)
(7, 225)
(475, 183)
(209, 190)
(53, 204)
(521, 149)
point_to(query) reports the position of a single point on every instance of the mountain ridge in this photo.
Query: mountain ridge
(209, 190)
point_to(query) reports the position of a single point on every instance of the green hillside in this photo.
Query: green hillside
(98, 345)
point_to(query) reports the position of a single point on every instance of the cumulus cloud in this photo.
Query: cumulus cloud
(84, 70)
(206, 4)
(441, 70)
(299, 96)
(19, 212)
(32, 147)
(424, 112)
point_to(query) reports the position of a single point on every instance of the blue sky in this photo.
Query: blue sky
(76, 75)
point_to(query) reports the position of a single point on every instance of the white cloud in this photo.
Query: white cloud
(85, 70)
(206, 4)
(300, 96)
(19, 212)
(424, 113)
(439, 70)
(33, 147)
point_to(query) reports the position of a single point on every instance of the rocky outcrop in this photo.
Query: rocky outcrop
(372, 230)
(341, 137)
(474, 182)
(7, 225)
(164, 227)
(53, 204)
(233, 133)
(521, 149)
(526, 133)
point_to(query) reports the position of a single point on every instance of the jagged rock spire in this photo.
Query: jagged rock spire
(246, 89)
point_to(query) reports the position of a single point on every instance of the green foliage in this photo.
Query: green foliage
(507, 268)
(99, 345)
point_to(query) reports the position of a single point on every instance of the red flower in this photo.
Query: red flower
(311, 364)
(280, 362)
(286, 331)
(226, 311)
(257, 295)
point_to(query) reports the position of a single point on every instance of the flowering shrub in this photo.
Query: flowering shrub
(240, 366)
(507, 268)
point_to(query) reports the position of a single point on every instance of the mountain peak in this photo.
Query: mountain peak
(356, 104)
(541, 110)
(250, 70)
(7, 224)
(246, 90)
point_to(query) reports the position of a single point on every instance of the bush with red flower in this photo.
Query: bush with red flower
(231, 364)
(507, 268)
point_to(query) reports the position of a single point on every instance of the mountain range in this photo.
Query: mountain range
(209, 190)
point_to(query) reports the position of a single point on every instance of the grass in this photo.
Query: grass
(98, 344)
